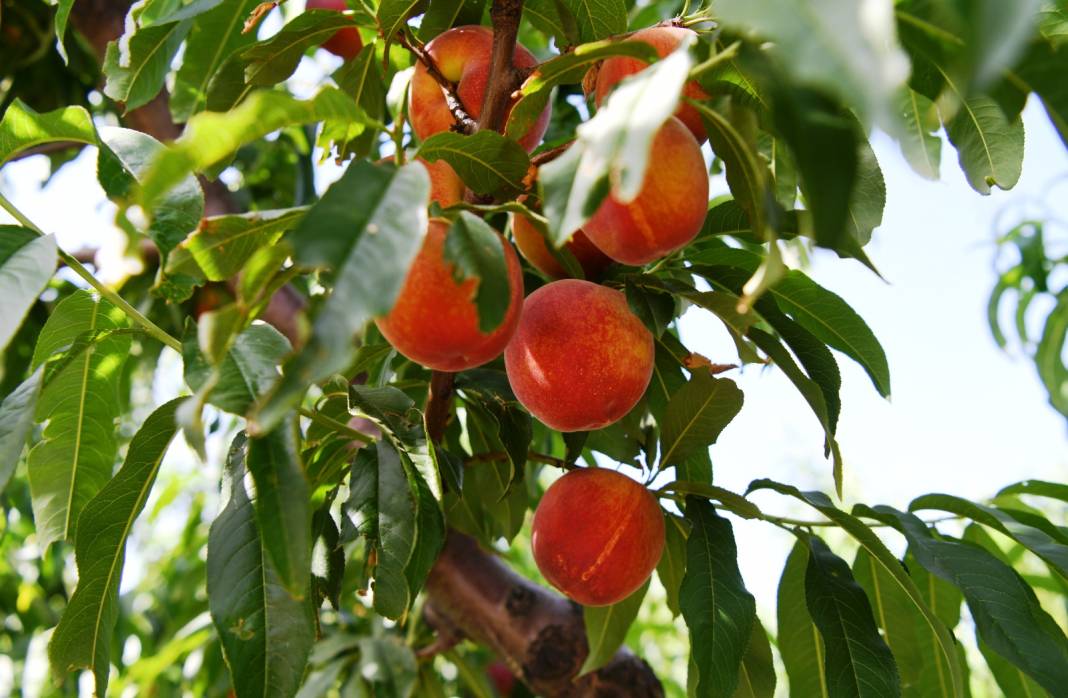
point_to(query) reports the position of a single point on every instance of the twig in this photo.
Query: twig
(503, 76)
(438, 404)
(550, 154)
(464, 122)
(495, 456)
(335, 425)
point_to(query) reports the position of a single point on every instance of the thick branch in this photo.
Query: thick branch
(539, 634)
(504, 79)
(438, 404)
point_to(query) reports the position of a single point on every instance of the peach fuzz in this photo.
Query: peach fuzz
(664, 40)
(597, 535)
(532, 246)
(345, 43)
(580, 359)
(670, 207)
(435, 321)
(462, 55)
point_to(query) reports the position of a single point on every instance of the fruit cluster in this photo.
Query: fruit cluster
(575, 355)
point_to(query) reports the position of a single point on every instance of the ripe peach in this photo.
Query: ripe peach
(345, 43)
(446, 187)
(597, 536)
(580, 359)
(669, 209)
(531, 244)
(664, 40)
(462, 55)
(435, 321)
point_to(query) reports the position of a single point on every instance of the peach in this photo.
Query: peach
(435, 321)
(664, 40)
(345, 43)
(462, 55)
(597, 535)
(531, 244)
(669, 209)
(446, 187)
(580, 359)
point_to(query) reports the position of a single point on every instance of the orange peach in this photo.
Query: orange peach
(597, 535)
(580, 359)
(446, 187)
(462, 55)
(669, 209)
(531, 244)
(435, 321)
(664, 40)
(345, 43)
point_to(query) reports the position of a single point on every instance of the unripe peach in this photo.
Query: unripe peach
(580, 359)
(435, 321)
(597, 536)
(462, 55)
(664, 40)
(669, 209)
(531, 244)
(345, 43)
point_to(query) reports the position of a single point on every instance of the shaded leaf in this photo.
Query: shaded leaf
(245, 374)
(27, 262)
(672, 565)
(919, 139)
(16, 421)
(756, 679)
(476, 252)
(798, 640)
(989, 147)
(598, 19)
(136, 65)
(487, 162)
(606, 628)
(696, 415)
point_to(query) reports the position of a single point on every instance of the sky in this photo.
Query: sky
(964, 417)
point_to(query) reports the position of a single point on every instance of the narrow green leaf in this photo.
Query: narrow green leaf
(756, 678)
(1007, 614)
(389, 665)
(607, 626)
(393, 15)
(76, 454)
(63, 8)
(27, 262)
(857, 660)
(16, 420)
(868, 198)
(989, 147)
(477, 252)
(945, 600)
(445, 14)
(245, 374)
(1012, 682)
(83, 636)
(136, 65)
(696, 415)
(368, 227)
(718, 609)
(23, 128)
(215, 37)
(1039, 488)
(598, 19)
(919, 140)
(1050, 352)
(799, 642)
(487, 162)
(265, 633)
(672, 565)
(271, 61)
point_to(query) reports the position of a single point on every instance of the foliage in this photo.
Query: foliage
(339, 488)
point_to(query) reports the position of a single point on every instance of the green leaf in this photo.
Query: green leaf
(606, 628)
(868, 198)
(476, 251)
(282, 511)
(393, 15)
(125, 158)
(857, 660)
(989, 147)
(1041, 68)
(445, 14)
(612, 149)
(831, 44)
(1012, 682)
(83, 636)
(1038, 488)
(919, 139)
(271, 61)
(552, 18)
(368, 227)
(211, 137)
(16, 421)
(215, 36)
(1034, 539)
(1050, 352)
(1007, 614)
(389, 665)
(247, 372)
(27, 262)
(756, 678)
(696, 415)
(945, 600)
(718, 609)
(265, 632)
(944, 644)
(672, 565)
(137, 64)
(799, 642)
(598, 19)
(76, 454)
(63, 8)
(23, 128)
(361, 77)
(220, 245)
(487, 162)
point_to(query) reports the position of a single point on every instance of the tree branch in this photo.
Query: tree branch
(438, 404)
(503, 76)
(464, 122)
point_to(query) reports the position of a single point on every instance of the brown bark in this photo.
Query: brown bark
(504, 78)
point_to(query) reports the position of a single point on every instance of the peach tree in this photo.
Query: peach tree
(412, 386)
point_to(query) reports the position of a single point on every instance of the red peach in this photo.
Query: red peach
(664, 40)
(446, 187)
(462, 55)
(580, 359)
(435, 321)
(597, 535)
(531, 244)
(345, 43)
(669, 209)
(502, 677)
